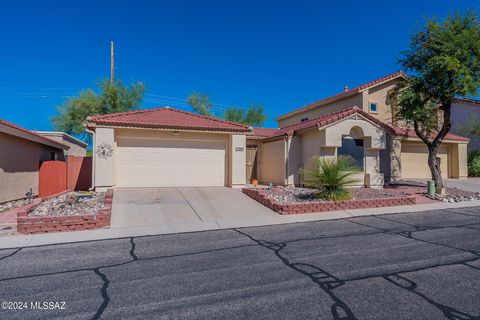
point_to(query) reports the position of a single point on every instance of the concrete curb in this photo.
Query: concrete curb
(12, 242)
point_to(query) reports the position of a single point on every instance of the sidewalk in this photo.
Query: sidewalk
(16, 241)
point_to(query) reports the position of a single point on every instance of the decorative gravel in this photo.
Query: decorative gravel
(13, 204)
(71, 203)
(452, 194)
(285, 195)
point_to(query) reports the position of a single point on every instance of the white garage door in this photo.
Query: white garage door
(170, 163)
(414, 159)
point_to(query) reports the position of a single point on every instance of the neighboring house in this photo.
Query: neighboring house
(21, 152)
(78, 148)
(167, 147)
(464, 113)
(401, 154)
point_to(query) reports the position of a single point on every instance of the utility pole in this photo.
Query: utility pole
(112, 64)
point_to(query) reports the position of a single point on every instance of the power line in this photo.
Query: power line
(166, 99)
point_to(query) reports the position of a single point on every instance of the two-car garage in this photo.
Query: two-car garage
(167, 147)
(154, 162)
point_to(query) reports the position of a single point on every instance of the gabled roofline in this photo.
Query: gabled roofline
(20, 132)
(109, 120)
(341, 95)
(329, 119)
(66, 136)
(467, 100)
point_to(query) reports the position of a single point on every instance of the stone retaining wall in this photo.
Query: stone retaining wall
(47, 224)
(310, 207)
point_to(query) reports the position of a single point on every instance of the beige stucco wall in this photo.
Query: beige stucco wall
(379, 94)
(324, 143)
(19, 164)
(294, 159)
(348, 102)
(237, 163)
(272, 166)
(458, 161)
(104, 167)
(375, 136)
(235, 146)
(74, 150)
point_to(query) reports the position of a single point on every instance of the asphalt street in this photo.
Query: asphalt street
(423, 265)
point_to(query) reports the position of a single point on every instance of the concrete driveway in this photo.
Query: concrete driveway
(470, 184)
(167, 206)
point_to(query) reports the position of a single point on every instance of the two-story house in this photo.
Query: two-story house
(358, 122)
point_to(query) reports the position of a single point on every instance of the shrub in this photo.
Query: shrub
(474, 164)
(331, 176)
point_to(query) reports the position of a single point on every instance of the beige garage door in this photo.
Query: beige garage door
(414, 159)
(167, 163)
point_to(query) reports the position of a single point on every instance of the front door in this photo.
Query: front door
(251, 163)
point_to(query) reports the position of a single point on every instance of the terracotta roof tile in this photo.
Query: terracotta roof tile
(31, 133)
(264, 132)
(348, 92)
(411, 134)
(468, 100)
(328, 119)
(168, 118)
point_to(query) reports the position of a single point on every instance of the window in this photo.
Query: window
(373, 107)
(352, 148)
(304, 119)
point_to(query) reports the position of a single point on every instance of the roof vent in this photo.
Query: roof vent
(345, 89)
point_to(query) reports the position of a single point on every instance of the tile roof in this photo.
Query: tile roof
(328, 119)
(468, 100)
(33, 134)
(411, 134)
(264, 132)
(347, 92)
(167, 118)
(336, 116)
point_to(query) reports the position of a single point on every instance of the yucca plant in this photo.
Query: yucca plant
(331, 176)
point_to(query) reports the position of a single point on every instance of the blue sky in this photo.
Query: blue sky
(282, 54)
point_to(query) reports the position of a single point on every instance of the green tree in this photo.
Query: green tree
(201, 103)
(112, 98)
(254, 115)
(444, 59)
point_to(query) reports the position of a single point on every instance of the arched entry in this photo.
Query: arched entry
(353, 146)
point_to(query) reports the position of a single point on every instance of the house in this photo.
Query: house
(168, 147)
(402, 155)
(21, 152)
(463, 112)
(77, 148)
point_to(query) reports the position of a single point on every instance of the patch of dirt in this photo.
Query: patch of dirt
(71, 203)
(285, 195)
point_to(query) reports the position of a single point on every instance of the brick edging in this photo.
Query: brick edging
(311, 207)
(48, 224)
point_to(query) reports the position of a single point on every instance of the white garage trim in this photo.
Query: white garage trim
(158, 162)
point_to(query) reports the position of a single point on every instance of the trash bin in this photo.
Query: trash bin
(431, 188)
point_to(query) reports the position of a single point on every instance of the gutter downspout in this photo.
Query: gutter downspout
(93, 157)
